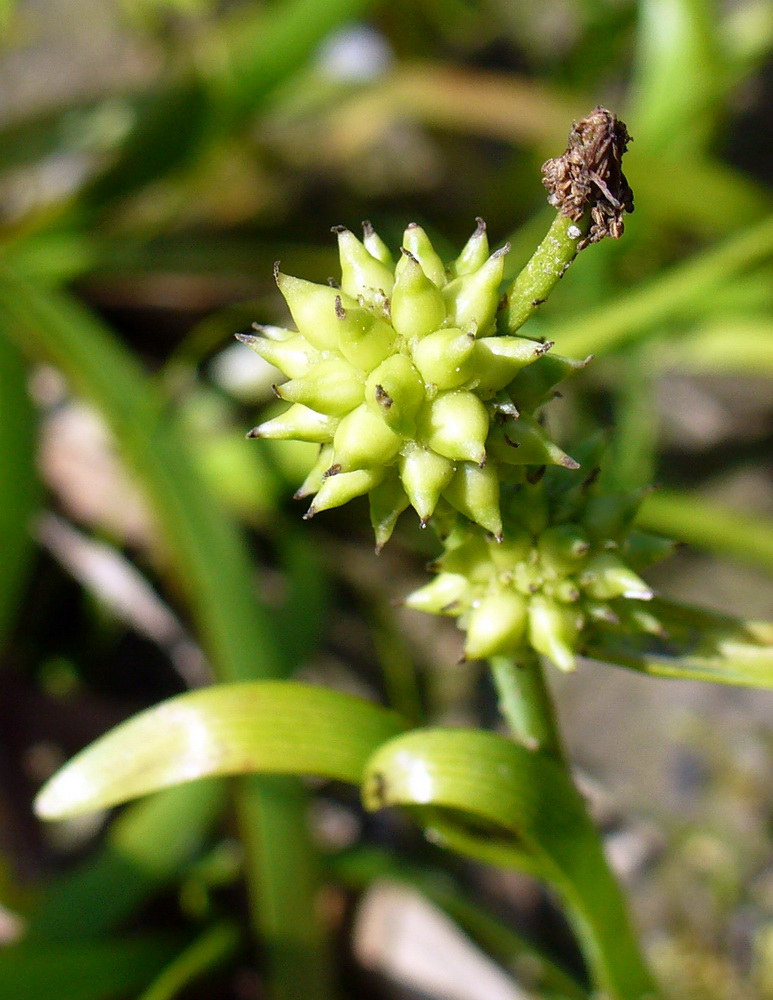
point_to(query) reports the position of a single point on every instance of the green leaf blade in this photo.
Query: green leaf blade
(527, 794)
(701, 645)
(262, 726)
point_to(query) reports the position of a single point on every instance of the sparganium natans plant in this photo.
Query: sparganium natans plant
(413, 383)
(413, 379)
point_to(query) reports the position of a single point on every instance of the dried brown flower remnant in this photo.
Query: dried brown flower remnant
(589, 176)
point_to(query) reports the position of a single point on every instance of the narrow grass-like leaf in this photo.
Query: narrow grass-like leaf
(492, 781)
(208, 560)
(18, 481)
(209, 566)
(683, 290)
(700, 645)
(736, 344)
(94, 971)
(678, 74)
(708, 526)
(363, 865)
(208, 951)
(145, 850)
(276, 727)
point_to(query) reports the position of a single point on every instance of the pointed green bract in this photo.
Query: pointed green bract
(298, 423)
(314, 309)
(294, 356)
(363, 441)
(341, 488)
(443, 357)
(497, 360)
(417, 305)
(473, 298)
(455, 425)
(332, 387)
(474, 492)
(425, 474)
(387, 502)
(361, 272)
(418, 244)
(395, 391)
(375, 246)
(474, 253)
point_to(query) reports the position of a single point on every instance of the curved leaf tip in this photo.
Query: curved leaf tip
(279, 727)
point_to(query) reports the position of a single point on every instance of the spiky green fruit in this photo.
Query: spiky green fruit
(551, 583)
(400, 370)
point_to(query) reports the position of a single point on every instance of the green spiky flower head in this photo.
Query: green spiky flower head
(568, 567)
(399, 376)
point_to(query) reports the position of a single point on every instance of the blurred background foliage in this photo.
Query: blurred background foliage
(156, 156)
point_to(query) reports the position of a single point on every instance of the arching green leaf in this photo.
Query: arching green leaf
(484, 779)
(275, 727)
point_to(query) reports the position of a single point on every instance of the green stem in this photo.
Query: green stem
(210, 950)
(543, 272)
(525, 703)
(614, 959)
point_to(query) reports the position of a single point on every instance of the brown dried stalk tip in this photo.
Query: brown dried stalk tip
(589, 176)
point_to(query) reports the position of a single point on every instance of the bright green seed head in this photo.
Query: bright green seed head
(570, 584)
(399, 374)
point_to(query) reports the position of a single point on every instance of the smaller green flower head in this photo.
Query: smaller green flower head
(399, 376)
(568, 566)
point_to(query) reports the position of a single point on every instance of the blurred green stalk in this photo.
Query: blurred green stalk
(209, 565)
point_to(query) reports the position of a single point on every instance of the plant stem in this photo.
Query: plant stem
(543, 271)
(614, 959)
(525, 703)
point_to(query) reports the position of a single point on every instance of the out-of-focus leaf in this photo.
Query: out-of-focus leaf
(253, 51)
(731, 345)
(699, 195)
(18, 481)
(94, 971)
(679, 74)
(171, 128)
(748, 33)
(146, 848)
(708, 526)
(279, 727)
(631, 464)
(494, 105)
(684, 290)
(486, 779)
(208, 951)
(700, 645)
(308, 596)
(363, 865)
(208, 562)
